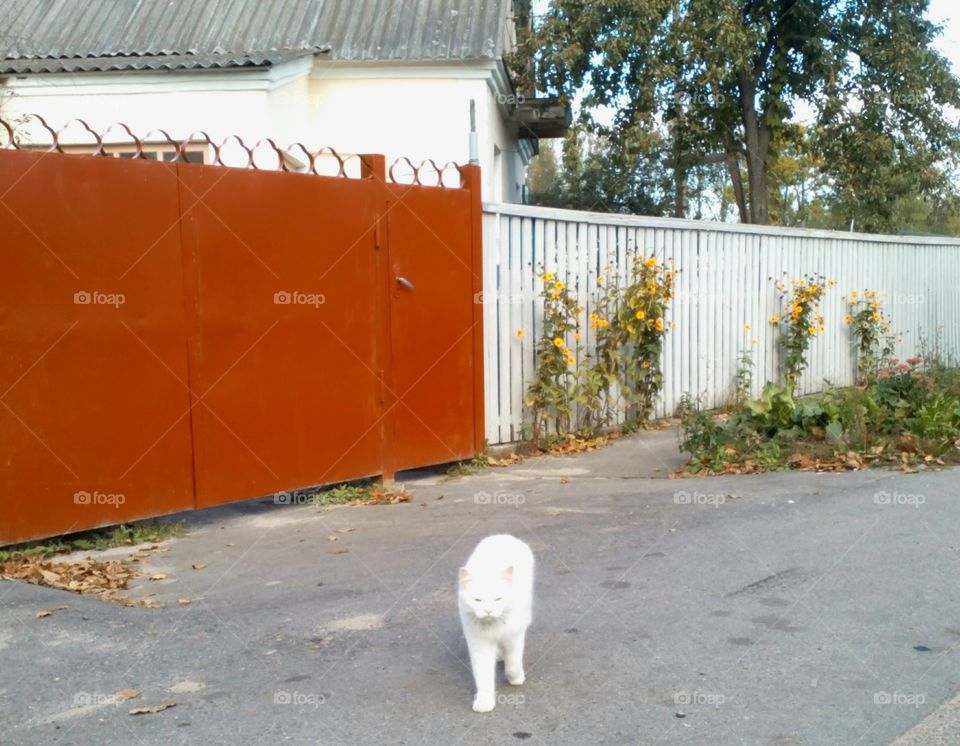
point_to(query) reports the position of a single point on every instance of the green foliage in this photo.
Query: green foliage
(126, 534)
(549, 398)
(713, 84)
(800, 323)
(872, 339)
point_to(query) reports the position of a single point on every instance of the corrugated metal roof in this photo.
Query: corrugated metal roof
(79, 35)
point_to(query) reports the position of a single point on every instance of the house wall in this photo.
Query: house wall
(415, 110)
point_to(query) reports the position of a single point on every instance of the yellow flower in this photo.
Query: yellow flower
(753, 341)
(631, 328)
(571, 360)
(577, 336)
(579, 309)
(774, 319)
(811, 330)
(554, 296)
(876, 317)
(831, 283)
(848, 318)
(875, 305)
(547, 277)
(520, 333)
(640, 315)
(603, 323)
(853, 303)
(854, 295)
(651, 262)
(558, 285)
(599, 279)
(659, 325)
(746, 327)
(558, 343)
(646, 364)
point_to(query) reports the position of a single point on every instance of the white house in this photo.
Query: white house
(361, 76)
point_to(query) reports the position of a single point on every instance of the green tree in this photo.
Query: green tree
(724, 77)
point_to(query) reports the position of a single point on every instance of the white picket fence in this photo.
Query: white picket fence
(722, 287)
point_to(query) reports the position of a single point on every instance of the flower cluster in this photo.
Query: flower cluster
(870, 329)
(800, 320)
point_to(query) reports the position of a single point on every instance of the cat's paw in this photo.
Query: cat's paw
(484, 702)
(515, 679)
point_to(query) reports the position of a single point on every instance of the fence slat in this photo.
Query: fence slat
(723, 285)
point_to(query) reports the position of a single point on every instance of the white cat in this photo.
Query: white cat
(496, 600)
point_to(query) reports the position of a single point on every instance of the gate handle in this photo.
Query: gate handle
(405, 282)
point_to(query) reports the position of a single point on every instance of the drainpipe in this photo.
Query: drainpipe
(474, 147)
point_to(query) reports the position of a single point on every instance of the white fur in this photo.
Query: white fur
(496, 603)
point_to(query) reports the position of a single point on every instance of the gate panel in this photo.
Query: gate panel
(94, 409)
(286, 379)
(435, 326)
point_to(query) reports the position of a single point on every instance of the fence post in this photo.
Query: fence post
(470, 179)
(374, 167)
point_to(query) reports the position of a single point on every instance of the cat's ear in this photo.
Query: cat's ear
(508, 574)
(464, 575)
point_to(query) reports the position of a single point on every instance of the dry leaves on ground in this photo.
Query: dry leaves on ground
(153, 709)
(124, 694)
(573, 444)
(103, 579)
(385, 497)
(48, 612)
(507, 460)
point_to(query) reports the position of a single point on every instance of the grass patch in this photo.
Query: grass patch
(126, 534)
(468, 468)
(363, 492)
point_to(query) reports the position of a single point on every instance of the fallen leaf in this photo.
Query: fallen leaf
(48, 612)
(553, 513)
(183, 601)
(341, 550)
(564, 481)
(151, 710)
(158, 576)
(344, 530)
(198, 565)
(331, 537)
(124, 694)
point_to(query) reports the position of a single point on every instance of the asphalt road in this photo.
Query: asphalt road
(780, 609)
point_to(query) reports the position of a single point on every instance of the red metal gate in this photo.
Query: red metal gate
(176, 335)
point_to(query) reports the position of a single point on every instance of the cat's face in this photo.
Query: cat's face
(486, 596)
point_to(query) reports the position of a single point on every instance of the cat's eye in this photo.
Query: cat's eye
(499, 599)
(477, 600)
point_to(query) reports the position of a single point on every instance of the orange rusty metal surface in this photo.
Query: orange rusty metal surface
(176, 335)
(94, 409)
(433, 280)
(284, 349)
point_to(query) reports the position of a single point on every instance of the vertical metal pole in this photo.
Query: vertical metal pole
(474, 147)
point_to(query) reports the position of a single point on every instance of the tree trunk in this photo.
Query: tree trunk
(758, 142)
(733, 167)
